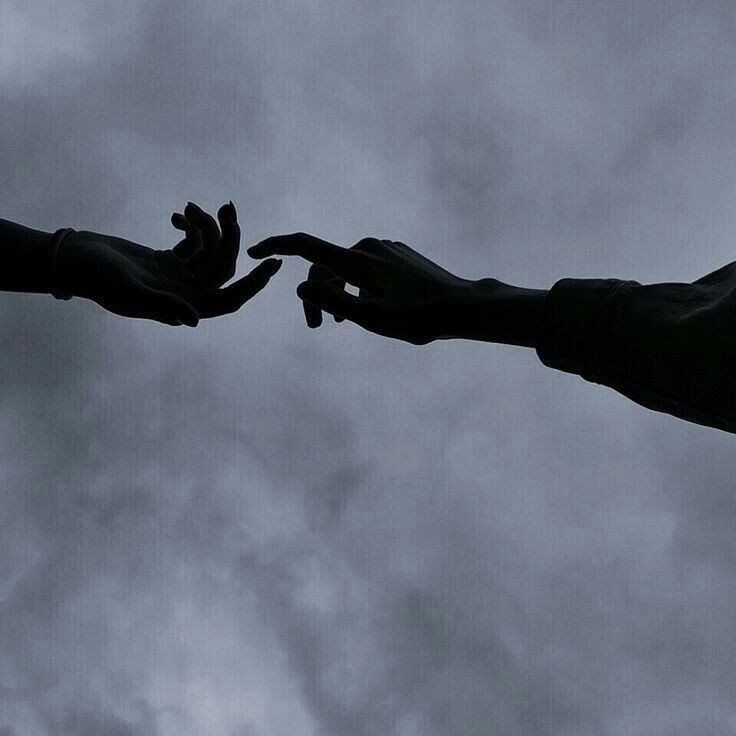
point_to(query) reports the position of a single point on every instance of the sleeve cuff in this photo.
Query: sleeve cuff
(573, 326)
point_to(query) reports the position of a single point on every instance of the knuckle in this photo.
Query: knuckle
(368, 244)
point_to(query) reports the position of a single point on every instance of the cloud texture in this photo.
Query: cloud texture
(250, 529)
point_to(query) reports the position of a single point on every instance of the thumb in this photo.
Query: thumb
(336, 301)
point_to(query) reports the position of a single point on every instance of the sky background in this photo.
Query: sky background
(253, 529)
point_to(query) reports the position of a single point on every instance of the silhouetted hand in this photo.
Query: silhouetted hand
(176, 286)
(402, 294)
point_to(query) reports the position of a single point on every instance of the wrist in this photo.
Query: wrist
(58, 288)
(492, 311)
(73, 264)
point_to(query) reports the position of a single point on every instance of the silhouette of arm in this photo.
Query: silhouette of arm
(26, 256)
(176, 286)
(670, 347)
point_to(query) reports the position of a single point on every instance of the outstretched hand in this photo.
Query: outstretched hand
(402, 294)
(177, 286)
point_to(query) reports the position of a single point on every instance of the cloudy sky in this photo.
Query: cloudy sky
(252, 529)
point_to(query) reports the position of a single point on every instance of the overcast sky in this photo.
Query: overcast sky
(253, 529)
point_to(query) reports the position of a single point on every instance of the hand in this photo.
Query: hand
(402, 294)
(176, 286)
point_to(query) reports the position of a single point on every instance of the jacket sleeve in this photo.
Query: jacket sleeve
(670, 347)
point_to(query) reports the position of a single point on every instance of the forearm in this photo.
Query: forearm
(667, 346)
(492, 311)
(26, 259)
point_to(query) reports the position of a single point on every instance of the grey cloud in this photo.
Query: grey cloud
(89, 724)
(255, 529)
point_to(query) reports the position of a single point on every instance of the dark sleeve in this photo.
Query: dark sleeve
(27, 258)
(670, 347)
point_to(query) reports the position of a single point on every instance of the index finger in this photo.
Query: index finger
(344, 262)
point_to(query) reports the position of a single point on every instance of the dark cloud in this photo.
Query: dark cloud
(253, 529)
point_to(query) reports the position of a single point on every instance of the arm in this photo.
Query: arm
(670, 347)
(175, 286)
(27, 259)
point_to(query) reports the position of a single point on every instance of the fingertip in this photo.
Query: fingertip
(305, 290)
(268, 268)
(312, 315)
(267, 247)
(187, 313)
(228, 210)
(276, 264)
(190, 319)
